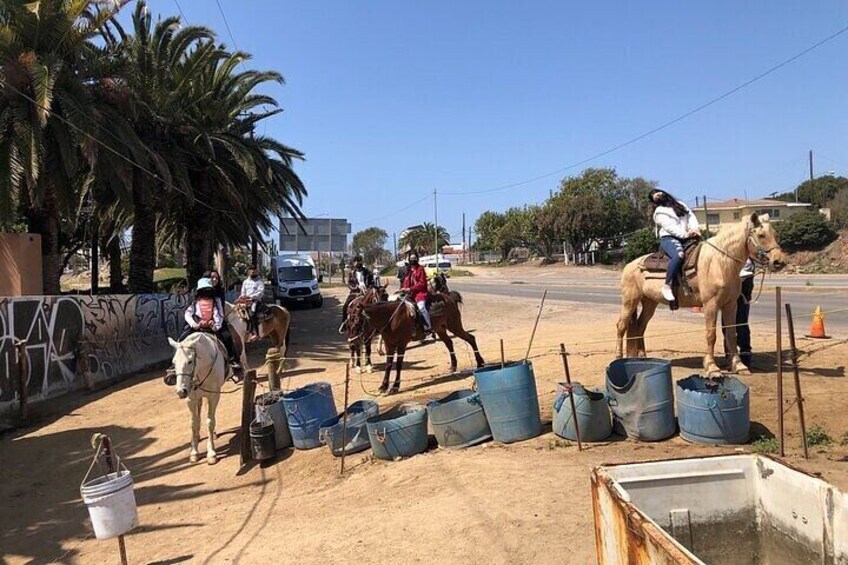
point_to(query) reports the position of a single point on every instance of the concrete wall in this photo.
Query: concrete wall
(83, 341)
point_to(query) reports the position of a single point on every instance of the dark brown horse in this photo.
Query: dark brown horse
(397, 323)
(371, 296)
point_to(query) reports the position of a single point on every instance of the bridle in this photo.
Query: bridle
(760, 253)
(199, 385)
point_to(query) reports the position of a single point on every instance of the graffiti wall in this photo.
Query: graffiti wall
(83, 341)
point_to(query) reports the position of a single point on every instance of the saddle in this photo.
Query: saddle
(655, 266)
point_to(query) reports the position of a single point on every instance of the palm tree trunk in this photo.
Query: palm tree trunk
(199, 248)
(116, 270)
(143, 247)
(45, 222)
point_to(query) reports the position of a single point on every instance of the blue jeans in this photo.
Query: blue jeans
(672, 247)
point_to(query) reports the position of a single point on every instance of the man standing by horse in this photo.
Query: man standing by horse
(359, 281)
(414, 285)
(253, 289)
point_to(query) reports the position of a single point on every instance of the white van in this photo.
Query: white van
(294, 280)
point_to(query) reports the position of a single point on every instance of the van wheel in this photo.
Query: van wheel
(318, 303)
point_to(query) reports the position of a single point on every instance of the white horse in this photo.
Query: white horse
(201, 367)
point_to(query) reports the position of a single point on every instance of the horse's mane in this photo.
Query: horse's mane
(191, 340)
(729, 237)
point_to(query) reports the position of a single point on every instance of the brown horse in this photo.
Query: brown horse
(275, 326)
(371, 296)
(716, 289)
(397, 323)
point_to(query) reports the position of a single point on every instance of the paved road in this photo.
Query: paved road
(795, 292)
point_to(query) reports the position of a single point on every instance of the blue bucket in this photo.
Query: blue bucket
(510, 401)
(458, 419)
(332, 431)
(713, 411)
(641, 398)
(593, 414)
(306, 408)
(400, 432)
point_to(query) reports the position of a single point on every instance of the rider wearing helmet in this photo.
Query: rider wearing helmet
(414, 285)
(359, 280)
(206, 314)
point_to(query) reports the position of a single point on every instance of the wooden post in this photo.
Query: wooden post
(503, 357)
(570, 394)
(799, 400)
(535, 325)
(779, 353)
(344, 415)
(247, 410)
(110, 468)
(23, 392)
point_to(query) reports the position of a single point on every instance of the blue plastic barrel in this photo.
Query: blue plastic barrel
(593, 414)
(400, 432)
(641, 398)
(714, 411)
(510, 401)
(458, 419)
(306, 408)
(332, 432)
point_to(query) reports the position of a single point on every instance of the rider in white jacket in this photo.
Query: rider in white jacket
(675, 223)
(254, 289)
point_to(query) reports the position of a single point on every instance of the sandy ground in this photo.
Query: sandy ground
(522, 503)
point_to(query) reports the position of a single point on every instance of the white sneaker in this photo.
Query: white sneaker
(667, 293)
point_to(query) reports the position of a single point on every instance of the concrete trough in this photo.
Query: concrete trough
(725, 510)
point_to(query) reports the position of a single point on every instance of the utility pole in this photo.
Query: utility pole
(706, 215)
(464, 245)
(394, 237)
(436, 226)
(811, 164)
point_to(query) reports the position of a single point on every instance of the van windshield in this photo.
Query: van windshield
(445, 265)
(302, 273)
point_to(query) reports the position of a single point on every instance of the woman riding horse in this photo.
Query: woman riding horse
(675, 224)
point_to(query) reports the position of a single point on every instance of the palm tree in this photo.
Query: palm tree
(48, 62)
(422, 239)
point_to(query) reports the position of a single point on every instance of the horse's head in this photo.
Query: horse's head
(185, 364)
(356, 320)
(382, 294)
(763, 247)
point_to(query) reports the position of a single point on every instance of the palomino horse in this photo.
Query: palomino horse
(397, 324)
(201, 367)
(371, 296)
(717, 287)
(276, 326)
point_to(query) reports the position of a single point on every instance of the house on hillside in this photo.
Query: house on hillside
(718, 214)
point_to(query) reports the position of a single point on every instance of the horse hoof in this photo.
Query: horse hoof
(392, 391)
(382, 390)
(211, 459)
(369, 369)
(357, 370)
(193, 458)
(453, 368)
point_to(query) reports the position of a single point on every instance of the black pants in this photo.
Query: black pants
(223, 334)
(743, 309)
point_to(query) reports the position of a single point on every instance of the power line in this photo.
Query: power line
(226, 24)
(664, 125)
(112, 150)
(395, 213)
(180, 8)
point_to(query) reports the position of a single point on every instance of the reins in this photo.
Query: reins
(761, 257)
(199, 386)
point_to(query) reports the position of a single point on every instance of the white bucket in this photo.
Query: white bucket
(111, 504)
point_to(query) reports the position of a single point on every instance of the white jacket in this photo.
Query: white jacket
(669, 224)
(254, 289)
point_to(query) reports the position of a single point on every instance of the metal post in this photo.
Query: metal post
(706, 215)
(110, 468)
(23, 393)
(799, 400)
(779, 352)
(436, 226)
(344, 416)
(503, 357)
(570, 394)
(535, 325)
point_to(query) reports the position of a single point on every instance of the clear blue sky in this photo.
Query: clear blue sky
(390, 100)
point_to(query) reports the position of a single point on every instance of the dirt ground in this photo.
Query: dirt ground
(521, 503)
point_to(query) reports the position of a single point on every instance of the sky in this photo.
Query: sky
(391, 100)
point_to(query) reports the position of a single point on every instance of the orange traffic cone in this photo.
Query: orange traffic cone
(817, 329)
(696, 309)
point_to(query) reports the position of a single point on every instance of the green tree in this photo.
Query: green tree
(49, 64)
(637, 190)
(817, 191)
(517, 230)
(805, 230)
(370, 243)
(422, 239)
(642, 242)
(487, 227)
(839, 210)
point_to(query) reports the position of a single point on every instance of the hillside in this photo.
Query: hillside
(831, 259)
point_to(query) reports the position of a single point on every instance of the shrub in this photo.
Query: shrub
(806, 230)
(765, 445)
(642, 242)
(817, 435)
